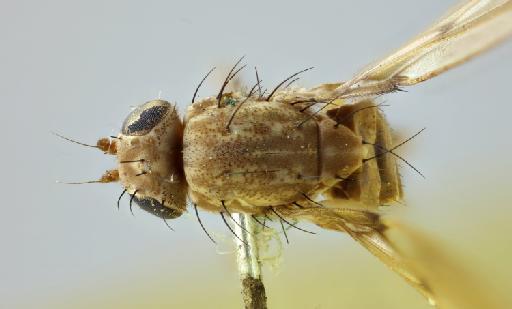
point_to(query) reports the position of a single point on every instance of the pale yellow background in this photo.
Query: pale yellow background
(76, 67)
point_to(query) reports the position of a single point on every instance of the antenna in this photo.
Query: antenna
(108, 176)
(105, 144)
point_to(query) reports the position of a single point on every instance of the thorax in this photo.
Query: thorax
(262, 153)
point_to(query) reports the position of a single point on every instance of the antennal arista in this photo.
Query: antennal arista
(105, 144)
(107, 177)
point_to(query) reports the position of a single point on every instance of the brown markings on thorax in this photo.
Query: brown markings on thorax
(265, 158)
(261, 160)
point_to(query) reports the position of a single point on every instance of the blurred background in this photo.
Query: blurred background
(78, 67)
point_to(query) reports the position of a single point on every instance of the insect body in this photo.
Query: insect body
(264, 159)
(323, 154)
(274, 154)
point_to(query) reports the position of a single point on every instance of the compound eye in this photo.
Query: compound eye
(145, 117)
(156, 208)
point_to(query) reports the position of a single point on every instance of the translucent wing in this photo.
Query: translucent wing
(464, 33)
(418, 259)
(451, 281)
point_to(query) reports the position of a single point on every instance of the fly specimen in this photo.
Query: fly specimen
(324, 155)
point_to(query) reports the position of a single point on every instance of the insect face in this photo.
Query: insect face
(149, 157)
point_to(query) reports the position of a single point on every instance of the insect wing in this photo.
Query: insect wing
(374, 238)
(469, 30)
(423, 263)
(368, 228)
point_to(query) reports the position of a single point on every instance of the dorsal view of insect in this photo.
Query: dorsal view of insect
(324, 155)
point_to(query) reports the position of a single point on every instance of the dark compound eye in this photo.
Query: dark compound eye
(156, 208)
(145, 117)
